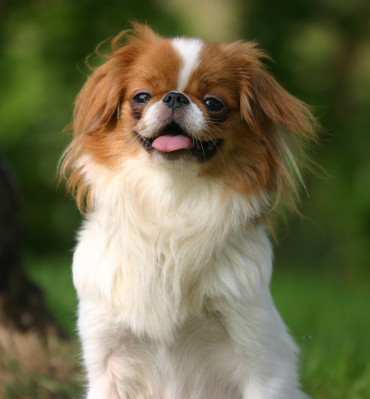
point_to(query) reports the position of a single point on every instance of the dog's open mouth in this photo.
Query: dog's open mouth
(174, 142)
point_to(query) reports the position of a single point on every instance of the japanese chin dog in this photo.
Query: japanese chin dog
(181, 150)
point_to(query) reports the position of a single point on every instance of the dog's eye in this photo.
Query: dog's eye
(141, 98)
(213, 104)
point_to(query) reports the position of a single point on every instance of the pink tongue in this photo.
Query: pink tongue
(168, 143)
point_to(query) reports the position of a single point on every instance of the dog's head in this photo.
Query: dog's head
(187, 101)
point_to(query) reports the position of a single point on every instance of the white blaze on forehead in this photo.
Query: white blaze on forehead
(189, 51)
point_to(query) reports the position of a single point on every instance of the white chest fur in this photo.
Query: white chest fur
(159, 243)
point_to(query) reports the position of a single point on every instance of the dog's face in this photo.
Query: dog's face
(186, 101)
(181, 103)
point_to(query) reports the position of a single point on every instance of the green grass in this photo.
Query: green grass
(328, 317)
(330, 321)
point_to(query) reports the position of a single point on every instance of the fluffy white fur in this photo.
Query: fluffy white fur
(173, 285)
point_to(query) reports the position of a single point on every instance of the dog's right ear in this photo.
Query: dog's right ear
(97, 104)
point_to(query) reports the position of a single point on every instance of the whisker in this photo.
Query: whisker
(218, 150)
(215, 122)
(201, 144)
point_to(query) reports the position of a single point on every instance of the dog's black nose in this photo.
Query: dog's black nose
(175, 99)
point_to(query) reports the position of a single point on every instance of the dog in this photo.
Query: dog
(181, 151)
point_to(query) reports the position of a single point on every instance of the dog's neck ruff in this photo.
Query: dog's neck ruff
(154, 235)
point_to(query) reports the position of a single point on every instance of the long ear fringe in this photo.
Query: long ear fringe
(290, 149)
(69, 170)
(295, 143)
(285, 123)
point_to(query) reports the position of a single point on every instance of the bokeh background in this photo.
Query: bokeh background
(321, 53)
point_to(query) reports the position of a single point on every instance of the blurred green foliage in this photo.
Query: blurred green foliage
(322, 54)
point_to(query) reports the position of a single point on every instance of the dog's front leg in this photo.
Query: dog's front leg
(102, 388)
(101, 381)
(266, 351)
(100, 352)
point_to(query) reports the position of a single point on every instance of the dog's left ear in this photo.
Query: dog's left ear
(267, 107)
(264, 104)
(281, 121)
